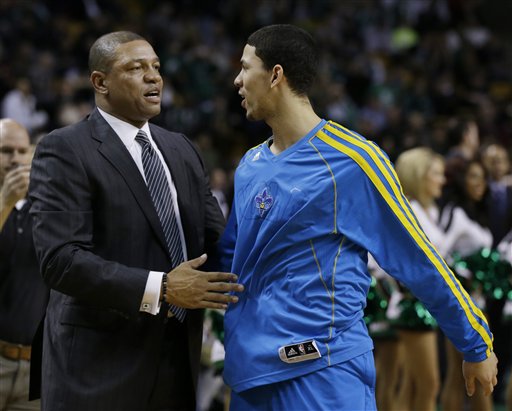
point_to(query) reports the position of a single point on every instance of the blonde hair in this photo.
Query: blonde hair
(412, 166)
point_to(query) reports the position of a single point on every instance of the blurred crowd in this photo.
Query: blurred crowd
(401, 73)
(398, 72)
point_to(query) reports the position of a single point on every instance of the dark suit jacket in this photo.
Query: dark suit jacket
(96, 235)
(500, 212)
(23, 295)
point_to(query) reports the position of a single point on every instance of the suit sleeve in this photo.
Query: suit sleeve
(63, 232)
(378, 217)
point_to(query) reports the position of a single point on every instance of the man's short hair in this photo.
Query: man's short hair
(291, 47)
(103, 50)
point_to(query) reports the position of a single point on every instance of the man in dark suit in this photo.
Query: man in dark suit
(496, 160)
(497, 163)
(23, 295)
(123, 217)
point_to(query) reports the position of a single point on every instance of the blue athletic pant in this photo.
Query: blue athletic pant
(348, 386)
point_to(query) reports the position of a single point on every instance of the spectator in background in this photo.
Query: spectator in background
(14, 167)
(23, 295)
(20, 105)
(218, 184)
(464, 204)
(460, 74)
(497, 163)
(464, 211)
(434, 77)
(503, 319)
(381, 305)
(463, 139)
(421, 173)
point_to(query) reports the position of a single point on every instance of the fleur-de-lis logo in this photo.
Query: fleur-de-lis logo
(263, 201)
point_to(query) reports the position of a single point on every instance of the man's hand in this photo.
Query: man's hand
(15, 186)
(485, 372)
(190, 288)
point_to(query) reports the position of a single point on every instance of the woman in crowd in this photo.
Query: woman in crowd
(505, 250)
(421, 173)
(464, 215)
(387, 346)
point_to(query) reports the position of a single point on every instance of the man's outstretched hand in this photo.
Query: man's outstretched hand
(188, 287)
(485, 372)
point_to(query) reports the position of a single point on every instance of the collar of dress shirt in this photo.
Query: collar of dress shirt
(124, 130)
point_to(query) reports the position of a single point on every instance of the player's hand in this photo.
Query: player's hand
(485, 372)
(188, 287)
(15, 185)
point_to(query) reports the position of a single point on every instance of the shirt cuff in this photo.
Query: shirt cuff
(151, 298)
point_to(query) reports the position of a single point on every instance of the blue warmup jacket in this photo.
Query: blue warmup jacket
(299, 232)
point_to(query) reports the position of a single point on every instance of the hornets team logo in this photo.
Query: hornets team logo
(264, 201)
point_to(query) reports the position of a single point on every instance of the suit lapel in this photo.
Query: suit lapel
(113, 149)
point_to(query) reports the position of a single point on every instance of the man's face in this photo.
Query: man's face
(134, 84)
(14, 147)
(496, 161)
(253, 83)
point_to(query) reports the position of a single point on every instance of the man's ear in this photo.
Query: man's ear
(277, 75)
(99, 82)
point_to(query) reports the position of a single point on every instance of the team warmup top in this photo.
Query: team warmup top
(301, 226)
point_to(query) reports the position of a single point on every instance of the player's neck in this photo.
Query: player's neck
(293, 122)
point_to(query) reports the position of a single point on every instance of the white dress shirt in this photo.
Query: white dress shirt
(151, 299)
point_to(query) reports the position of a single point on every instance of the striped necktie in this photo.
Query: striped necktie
(161, 196)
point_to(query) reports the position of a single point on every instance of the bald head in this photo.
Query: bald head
(8, 125)
(14, 146)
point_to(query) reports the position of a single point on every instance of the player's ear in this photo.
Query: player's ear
(277, 75)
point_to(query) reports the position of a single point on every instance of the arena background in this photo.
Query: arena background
(396, 71)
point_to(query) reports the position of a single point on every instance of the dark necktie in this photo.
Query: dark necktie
(161, 195)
